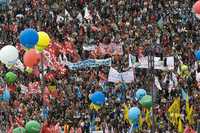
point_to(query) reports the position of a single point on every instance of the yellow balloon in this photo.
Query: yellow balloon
(44, 40)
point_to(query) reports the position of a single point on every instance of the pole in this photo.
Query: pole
(42, 72)
(151, 72)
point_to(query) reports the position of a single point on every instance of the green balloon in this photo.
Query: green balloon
(32, 127)
(19, 130)
(146, 101)
(10, 77)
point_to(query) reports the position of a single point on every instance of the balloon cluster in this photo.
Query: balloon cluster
(196, 9)
(34, 41)
(97, 99)
(144, 99)
(31, 40)
(30, 127)
(134, 112)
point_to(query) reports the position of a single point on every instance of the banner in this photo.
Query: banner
(158, 63)
(114, 76)
(90, 63)
(110, 49)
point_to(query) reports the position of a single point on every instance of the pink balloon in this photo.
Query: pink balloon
(196, 7)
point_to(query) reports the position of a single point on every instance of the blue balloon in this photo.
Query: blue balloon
(29, 38)
(133, 114)
(140, 93)
(98, 98)
(197, 54)
(6, 95)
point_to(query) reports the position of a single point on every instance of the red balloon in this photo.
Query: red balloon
(196, 7)
(31, 58)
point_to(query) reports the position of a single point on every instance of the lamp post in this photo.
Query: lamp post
(151, 77)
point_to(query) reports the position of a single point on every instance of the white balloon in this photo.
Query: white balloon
(9, 55)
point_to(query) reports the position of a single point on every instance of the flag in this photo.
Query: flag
(66, 128)
(94, 107)
(126, 114)
(140, 121)
(188, 110)
(157, 83)
(19, 121)
(160, 23)
(174, 111)
(189, 130)
(131, 129)
(11, 127)
(187, 105)
(189, 116)
(180, 126)
(148, 118)
(33, 87)
(87, 14)
(184, 95)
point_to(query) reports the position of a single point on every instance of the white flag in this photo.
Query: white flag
(157, 83)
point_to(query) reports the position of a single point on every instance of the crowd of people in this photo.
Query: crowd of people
(169, 27)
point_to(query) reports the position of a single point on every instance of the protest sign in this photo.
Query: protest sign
(114, 76)
(166, 64)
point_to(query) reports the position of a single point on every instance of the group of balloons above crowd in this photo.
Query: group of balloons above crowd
(33, 42)
(98, 99)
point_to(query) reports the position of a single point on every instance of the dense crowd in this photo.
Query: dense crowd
(169, 27)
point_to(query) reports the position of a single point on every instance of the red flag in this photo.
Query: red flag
(46, 96)
(71, 130)
(189, 130)
(10, 129)
(19, 121)
(34, 87)
(57, 128)
(46, 128)
(79, 130)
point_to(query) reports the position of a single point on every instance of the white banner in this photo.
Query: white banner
(158, 63)
(114, 76)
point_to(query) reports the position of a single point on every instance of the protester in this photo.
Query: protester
(100, 29)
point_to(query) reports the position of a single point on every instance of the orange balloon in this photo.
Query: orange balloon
(31, 58)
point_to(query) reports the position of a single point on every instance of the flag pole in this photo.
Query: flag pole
(42, 73)
(151, 76)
